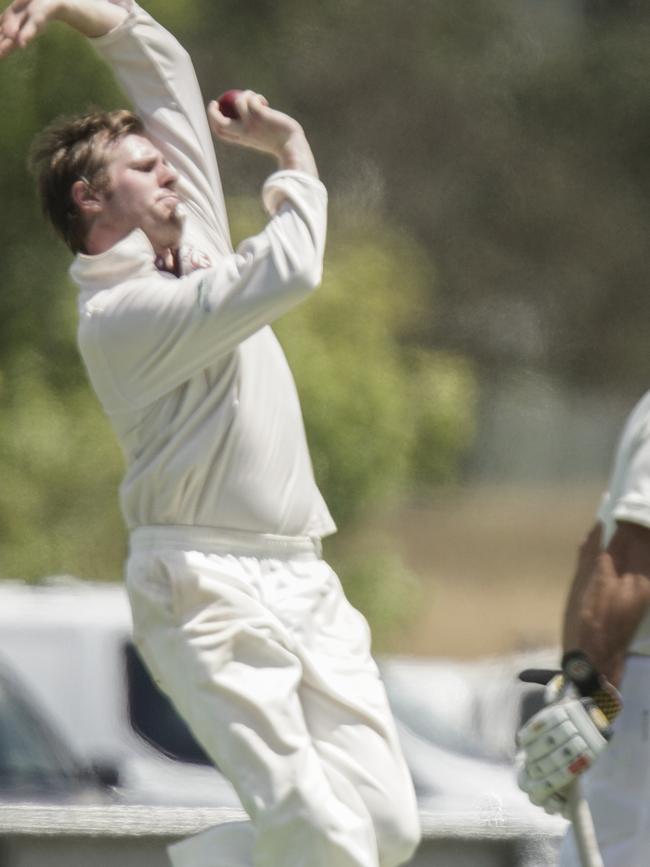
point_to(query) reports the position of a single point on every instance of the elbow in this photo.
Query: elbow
(298, 247)
(308, 277)
(300, 273)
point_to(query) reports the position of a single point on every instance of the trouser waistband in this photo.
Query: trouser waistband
(213, 540)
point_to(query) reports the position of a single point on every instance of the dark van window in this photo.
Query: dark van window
(153, 716)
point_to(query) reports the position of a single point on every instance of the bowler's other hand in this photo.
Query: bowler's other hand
(262, 128)
(22, 21)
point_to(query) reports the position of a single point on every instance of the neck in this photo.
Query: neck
(101, 238)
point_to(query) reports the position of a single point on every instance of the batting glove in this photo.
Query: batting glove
(558, 744)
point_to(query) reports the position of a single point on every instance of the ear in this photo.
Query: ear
(86, 198)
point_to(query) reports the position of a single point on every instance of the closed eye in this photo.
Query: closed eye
(145, 165)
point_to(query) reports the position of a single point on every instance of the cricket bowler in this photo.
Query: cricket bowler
(235, 613)
(593, 732)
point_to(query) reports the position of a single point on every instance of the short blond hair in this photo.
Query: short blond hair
(72, 149)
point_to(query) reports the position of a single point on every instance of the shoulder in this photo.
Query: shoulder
(118, 312)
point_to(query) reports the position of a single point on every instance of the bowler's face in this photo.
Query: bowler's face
(142, 192)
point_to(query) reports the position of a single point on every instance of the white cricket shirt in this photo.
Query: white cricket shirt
(628, 496)
(187, 369)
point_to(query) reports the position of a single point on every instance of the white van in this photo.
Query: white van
(69, 641)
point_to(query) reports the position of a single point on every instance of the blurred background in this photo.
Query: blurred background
(484, 322)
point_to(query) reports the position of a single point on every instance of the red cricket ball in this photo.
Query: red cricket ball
(227, 103)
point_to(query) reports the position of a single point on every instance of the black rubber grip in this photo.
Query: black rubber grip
(538, 675)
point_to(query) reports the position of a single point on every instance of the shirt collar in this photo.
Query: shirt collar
(130, 258)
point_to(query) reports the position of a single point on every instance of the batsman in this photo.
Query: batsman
(596, 727)
(236, 614)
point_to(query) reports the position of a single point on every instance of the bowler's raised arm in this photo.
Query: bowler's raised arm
(262, 128)
(23, 20)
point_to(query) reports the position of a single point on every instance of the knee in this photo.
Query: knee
(398, 833)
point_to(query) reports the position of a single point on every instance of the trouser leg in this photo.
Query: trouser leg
(349, 720)
(228, 664)
(617, 787)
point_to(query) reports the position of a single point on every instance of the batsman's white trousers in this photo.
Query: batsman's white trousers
(267, 661)
(617, 787)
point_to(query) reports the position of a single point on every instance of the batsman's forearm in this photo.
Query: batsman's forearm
(604, 625)
(604, 610)
(92, 18)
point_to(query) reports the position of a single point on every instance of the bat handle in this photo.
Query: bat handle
(583, 827)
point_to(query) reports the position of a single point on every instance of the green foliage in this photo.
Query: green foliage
(385, 418)
(378, 583)
(60, 468)
(444, 388)
(382, 417)
(183, 19)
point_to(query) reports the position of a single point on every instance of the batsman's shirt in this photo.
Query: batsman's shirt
(628, 495)
(187, 368)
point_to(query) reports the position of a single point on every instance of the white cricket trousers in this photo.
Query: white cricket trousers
(617, 787)
(255, 643)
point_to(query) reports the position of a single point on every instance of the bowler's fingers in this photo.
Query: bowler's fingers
(31, 27)
(250, 109)
(13, 18)
(256, 101)
(8, 14)
(248, 106)
(223, 127)
(8, 29)
(19, 24)
(8, 42)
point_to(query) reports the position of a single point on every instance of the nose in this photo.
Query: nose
(168, 176)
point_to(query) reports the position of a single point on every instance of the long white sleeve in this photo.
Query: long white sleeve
(157, 75)
(154, 331)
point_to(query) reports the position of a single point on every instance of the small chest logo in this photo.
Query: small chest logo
(203, 295)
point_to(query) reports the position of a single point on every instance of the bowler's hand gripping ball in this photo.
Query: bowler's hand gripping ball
(227, 104)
